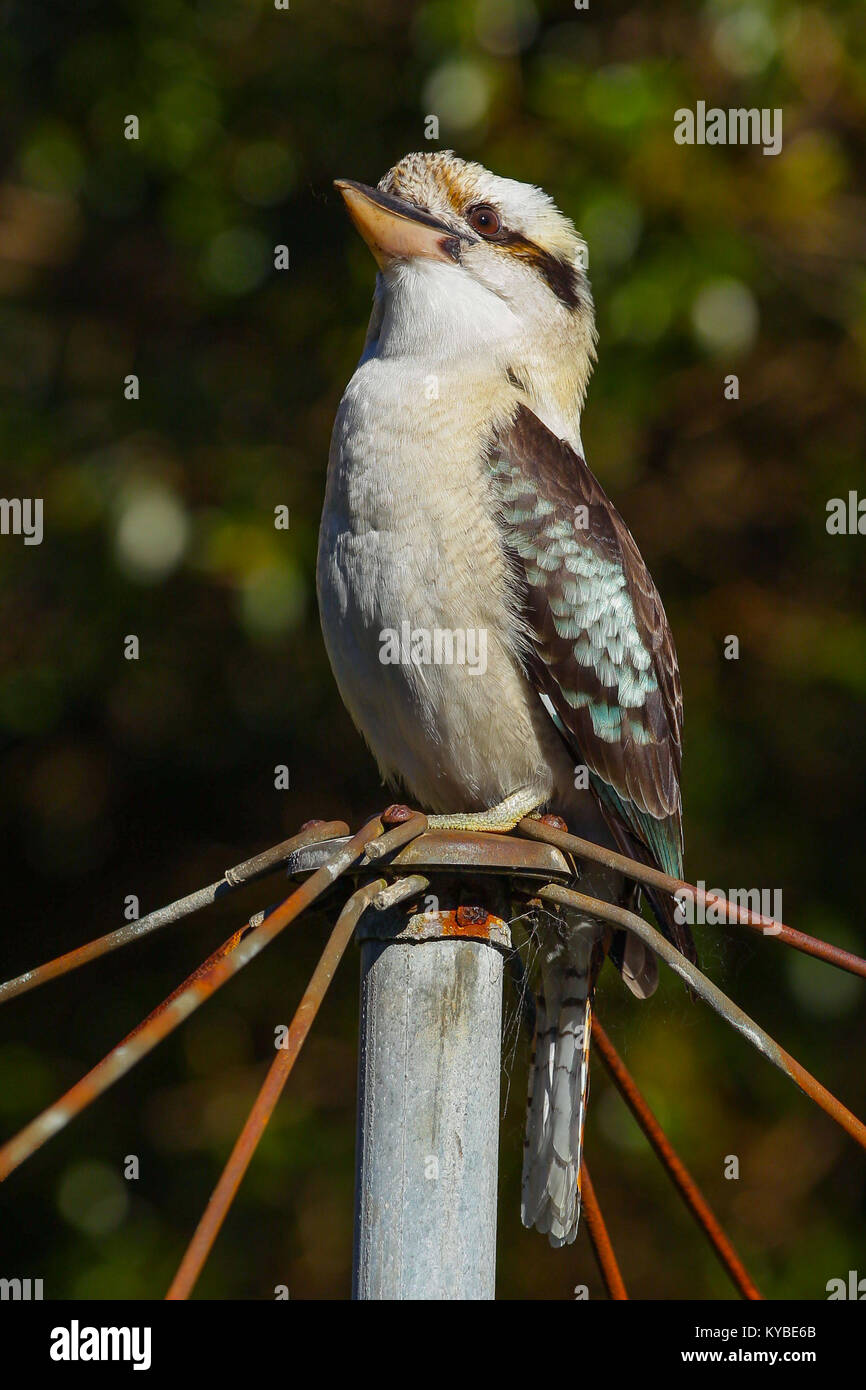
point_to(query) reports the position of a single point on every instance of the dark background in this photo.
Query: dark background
(149, 777)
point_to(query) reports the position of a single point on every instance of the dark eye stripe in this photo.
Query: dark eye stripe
(561, 275)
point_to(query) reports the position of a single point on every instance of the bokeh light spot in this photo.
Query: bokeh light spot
(93, 1198)
(458, 92)
(725, 316)
(151, 533)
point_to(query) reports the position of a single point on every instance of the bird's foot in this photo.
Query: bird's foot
(497, 819)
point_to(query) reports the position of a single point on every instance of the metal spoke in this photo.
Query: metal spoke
(675, 1168)
(401, 835)
(278, 1074)
(713, 996)
(410, 848)
(600, 1239)
(200, 986)
(232, 879)
(654, 878)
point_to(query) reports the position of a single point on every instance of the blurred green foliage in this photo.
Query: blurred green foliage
(155, 257)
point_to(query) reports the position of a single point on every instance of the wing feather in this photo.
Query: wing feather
(604, 658)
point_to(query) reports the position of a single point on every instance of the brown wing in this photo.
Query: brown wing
(604, 655)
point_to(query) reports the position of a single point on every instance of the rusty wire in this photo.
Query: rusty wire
(655, 878)
(673, 1165)
(233, 879)
(200, 986)
(538, 830)
(278, 1074)
(712, 995)
(401, 835)
(408, 845)
(600, 1239)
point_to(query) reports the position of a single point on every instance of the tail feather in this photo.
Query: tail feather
(558, 1090)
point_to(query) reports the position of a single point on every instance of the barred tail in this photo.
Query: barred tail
(558, 1089)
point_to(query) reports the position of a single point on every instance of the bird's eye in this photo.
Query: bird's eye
(484, 219)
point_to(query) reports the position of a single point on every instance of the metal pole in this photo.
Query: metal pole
(428, 1105)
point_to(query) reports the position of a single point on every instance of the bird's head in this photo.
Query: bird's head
(477, 267)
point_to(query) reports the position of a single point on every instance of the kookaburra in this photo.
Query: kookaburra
(458, 501)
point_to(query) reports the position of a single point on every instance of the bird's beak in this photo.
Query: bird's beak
(396, 230)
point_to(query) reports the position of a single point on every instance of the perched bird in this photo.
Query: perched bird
(458, 501)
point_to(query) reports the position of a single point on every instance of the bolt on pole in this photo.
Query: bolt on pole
(428, 1106)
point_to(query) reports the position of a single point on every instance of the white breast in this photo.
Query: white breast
(409, 544)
